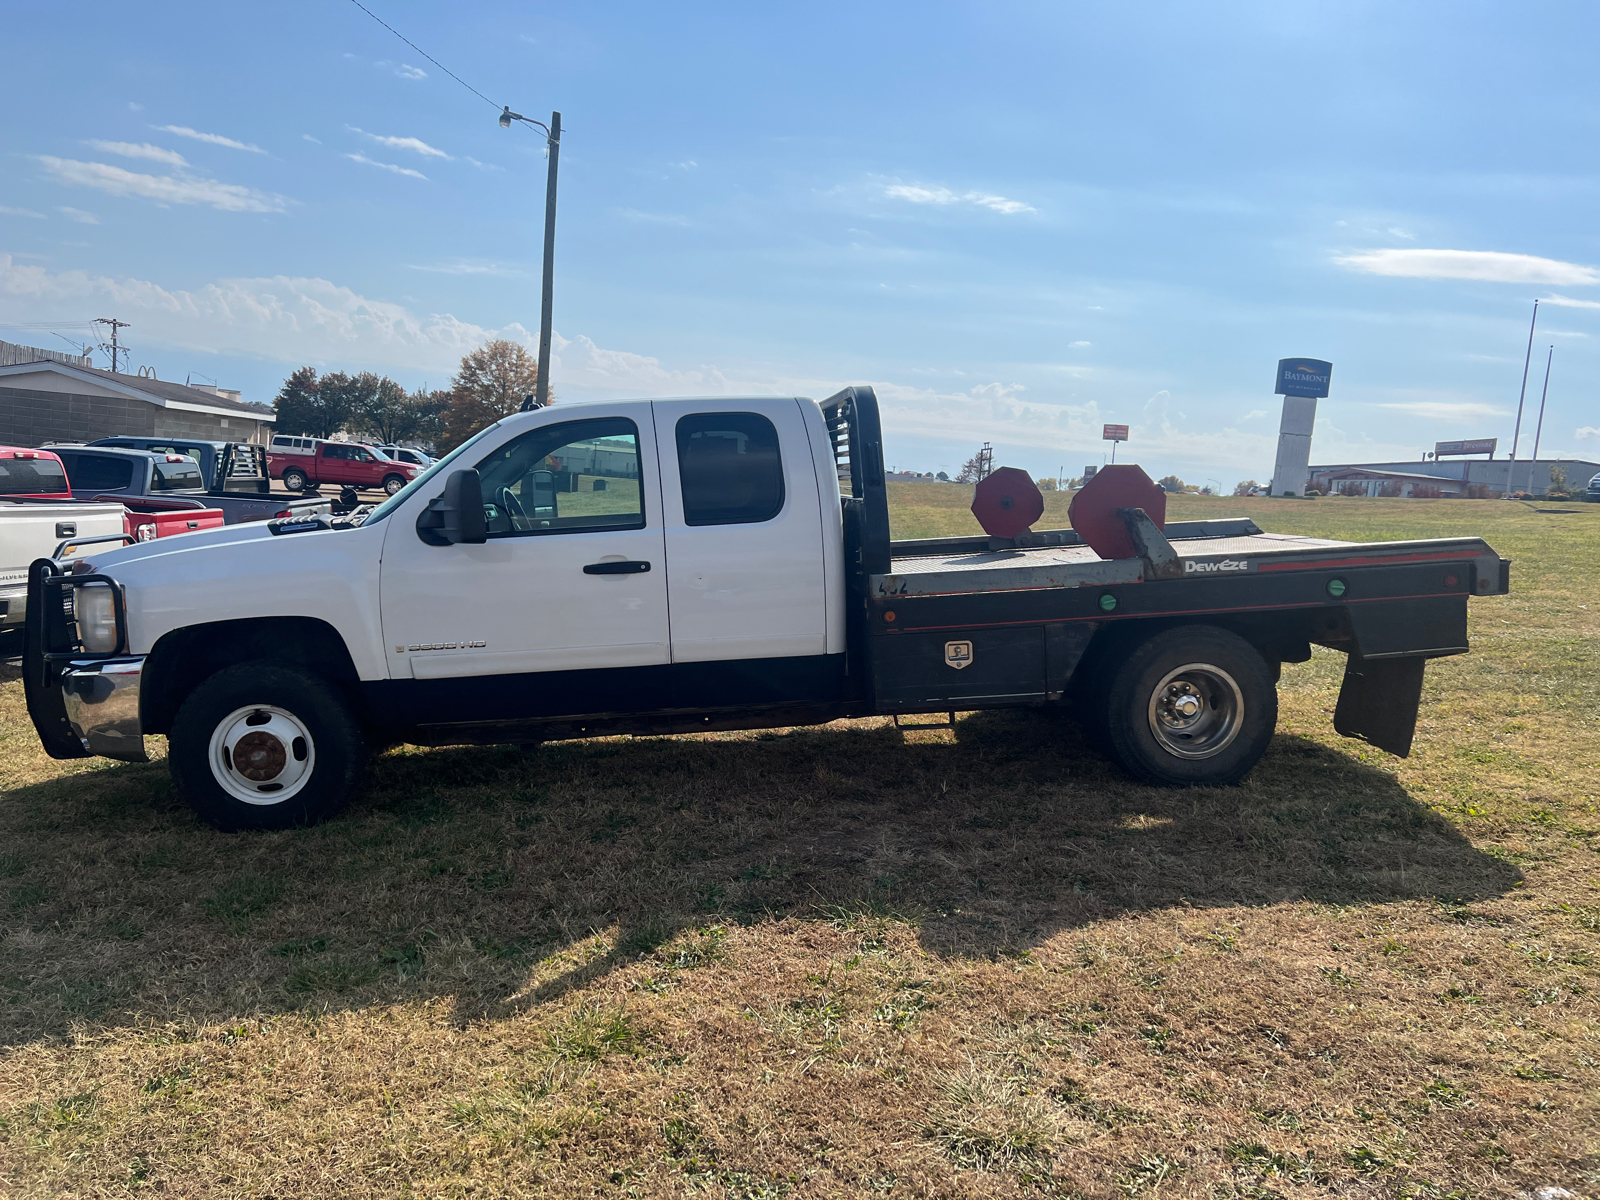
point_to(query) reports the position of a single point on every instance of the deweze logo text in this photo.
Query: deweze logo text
(1206, 568)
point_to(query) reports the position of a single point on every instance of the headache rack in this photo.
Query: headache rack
(857, 437)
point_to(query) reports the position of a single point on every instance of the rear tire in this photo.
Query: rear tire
(263, 746)
(1193, 705)
(294, 479)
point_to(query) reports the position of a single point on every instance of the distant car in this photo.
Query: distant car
(1594, 490)
(118, 473)
(36, 473)
(406, 454)
(208, 454)
(303, 462)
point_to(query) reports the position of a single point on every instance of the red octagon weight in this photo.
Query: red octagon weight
(1007, 502)
(1093, 511)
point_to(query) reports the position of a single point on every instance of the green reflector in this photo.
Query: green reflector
(1335, 587)
(1107, 602)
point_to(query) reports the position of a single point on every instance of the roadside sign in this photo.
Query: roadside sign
(1089, 472)
(1113, 433)
(1478, 446)
(1303, 377)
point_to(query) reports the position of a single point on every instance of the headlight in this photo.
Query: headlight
(93, 609)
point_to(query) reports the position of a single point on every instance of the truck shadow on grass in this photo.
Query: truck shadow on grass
(502, 879)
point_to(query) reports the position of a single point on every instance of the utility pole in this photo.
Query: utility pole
(1511, 468)
(1539, 429)
(552, 133)
(115, 325)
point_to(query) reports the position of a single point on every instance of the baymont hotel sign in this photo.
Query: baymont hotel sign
(1303, 377)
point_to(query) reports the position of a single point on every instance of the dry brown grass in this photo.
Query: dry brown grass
(847, 960)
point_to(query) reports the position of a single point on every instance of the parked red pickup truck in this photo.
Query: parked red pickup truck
(303, 462)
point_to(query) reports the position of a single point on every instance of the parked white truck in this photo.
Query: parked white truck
(679, 565)
(31, 529)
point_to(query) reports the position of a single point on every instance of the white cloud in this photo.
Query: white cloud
(1396, 231)
(21, 212)
(78, 215)
(634, 214)
(1568, 302)
(211, 139)
(416, 145)
(1079, 345)
(398, 170)
(1489, 266)
(295, 320)
(132, 107)
(944, 196)
(482, 166)
(166, 189)
(1585, 433)
(314, 141)
(140, 150)
(1447, 410)
(403, 70)
(471, 267)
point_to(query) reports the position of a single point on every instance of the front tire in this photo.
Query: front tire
(263, 746)
(393, 483)
(294, 479)
(1191, 705)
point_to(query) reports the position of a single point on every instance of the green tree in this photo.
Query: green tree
(383, 411)
(1170, 483)
(492, 382)
(298, 404)
(339, 397)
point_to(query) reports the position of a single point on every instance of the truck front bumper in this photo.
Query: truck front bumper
(13, 606)
(102, 703)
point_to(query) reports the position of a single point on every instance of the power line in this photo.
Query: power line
(425, 54)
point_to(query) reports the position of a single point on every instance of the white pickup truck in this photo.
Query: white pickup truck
(31, 529)
(670, 566)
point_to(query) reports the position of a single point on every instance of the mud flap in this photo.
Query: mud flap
(1378, 702)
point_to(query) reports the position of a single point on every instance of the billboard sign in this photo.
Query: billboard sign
(1303, 377)
(1089, 472)
(1479, 446)
(1113, 433)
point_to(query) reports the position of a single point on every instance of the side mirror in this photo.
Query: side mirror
(457, 516)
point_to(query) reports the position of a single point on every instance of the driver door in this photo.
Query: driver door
(573, 575)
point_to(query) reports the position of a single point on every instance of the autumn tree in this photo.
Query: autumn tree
(1170, 483)
(972, 470)
(1244, 487)
(492, 382)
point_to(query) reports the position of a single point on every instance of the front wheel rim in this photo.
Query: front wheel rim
(1196, 711)
(262, 754)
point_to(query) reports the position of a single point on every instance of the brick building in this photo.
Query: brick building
(60, 398)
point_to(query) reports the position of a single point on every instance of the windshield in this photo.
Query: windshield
(399, 498)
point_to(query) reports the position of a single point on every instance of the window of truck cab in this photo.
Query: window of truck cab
(570, 477)
(729, 468)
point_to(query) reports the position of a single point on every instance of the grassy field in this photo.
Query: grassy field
(850, 961)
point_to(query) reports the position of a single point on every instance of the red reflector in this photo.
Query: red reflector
(27, 454)
(284, 513)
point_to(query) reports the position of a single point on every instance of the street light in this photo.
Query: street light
(552, 134)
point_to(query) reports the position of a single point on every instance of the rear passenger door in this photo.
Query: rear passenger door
(743, 530)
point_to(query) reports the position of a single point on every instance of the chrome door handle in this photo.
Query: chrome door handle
(628, 567)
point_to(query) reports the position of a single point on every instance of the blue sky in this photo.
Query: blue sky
(1018, 221)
